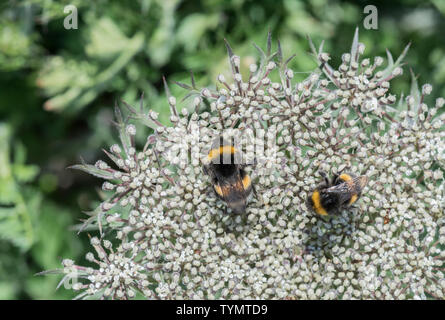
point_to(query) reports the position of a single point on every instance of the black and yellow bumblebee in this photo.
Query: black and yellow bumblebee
(342, 191)
(229, 179)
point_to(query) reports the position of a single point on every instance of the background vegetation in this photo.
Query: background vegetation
(58, 88)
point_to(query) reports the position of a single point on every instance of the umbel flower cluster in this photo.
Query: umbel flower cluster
(165, 235)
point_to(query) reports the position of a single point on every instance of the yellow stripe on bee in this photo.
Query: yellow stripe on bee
(218, 190)
(246, 182)
(317, 204)
(353, 199)
(345, 177)
(221, 150)
(348, 179)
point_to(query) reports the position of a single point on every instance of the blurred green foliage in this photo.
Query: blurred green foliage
(58, 88)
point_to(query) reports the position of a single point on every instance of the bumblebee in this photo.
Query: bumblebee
(341, 192)
(230, 181)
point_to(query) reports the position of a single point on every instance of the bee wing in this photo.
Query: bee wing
(343, 192)
(361, 181)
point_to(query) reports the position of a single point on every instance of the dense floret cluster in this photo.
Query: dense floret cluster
(174, 239)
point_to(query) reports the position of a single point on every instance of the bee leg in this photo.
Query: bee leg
(335, 179)
(336, 175)
(205, 170)
(254, 191)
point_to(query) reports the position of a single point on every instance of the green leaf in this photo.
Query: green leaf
(440, 5)
(7, 291)
(19, 203)
(71, 91)
(88, 168)
(391, 64)
(414, 91)
(354, 47)
(25, 173)
(106, 40)
(193, 28)
(53, 240)
(15, 222)
(162, 42)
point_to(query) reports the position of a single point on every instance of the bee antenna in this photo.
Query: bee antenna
(323, 174)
